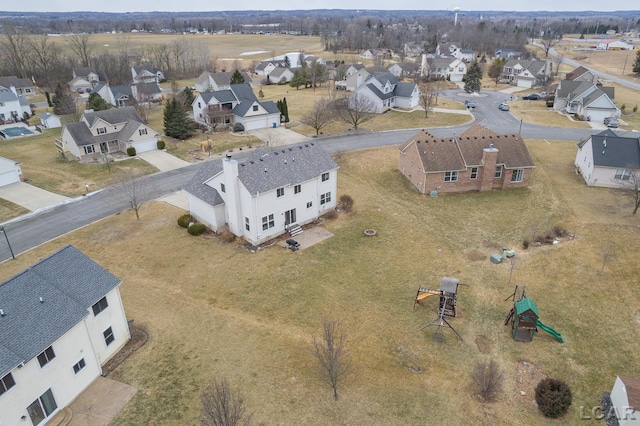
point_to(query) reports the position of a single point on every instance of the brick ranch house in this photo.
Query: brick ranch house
(477, 160)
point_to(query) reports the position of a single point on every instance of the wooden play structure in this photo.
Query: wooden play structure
(525, 318)
(447, 301)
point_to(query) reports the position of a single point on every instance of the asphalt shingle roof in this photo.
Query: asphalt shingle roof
(68, 282)
(7, 96)
(198, 188)
(291, 165)
(404, 89)
(619, 152)
(14, 81)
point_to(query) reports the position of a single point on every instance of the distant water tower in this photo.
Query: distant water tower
(455, 19)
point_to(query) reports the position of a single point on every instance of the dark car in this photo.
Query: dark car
(469, 104)
(531, 97)
(611, 122)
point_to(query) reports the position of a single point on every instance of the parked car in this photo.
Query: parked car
(88, 90)
(543, 95)
(531, 97)
(611, 122)
(469, 104)
(80, 90)
(503, 107)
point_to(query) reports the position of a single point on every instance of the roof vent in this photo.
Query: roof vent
(490, 146)
(265, 170)
(285, 161)
(604, 142)
(2, 313)
(41, 300)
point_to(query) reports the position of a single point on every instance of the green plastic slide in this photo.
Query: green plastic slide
(551, 331)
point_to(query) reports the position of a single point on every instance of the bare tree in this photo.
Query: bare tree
(81, 46)
(222, 406)
(133, 190)
(354, 110)
(607, 252)
(16, 50)
(547, 42)
(319, 116)
(46, 57)
(487, 381)
(427, 97)
(331, 353)
(629, 181)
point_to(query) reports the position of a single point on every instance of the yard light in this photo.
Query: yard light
(8, 243)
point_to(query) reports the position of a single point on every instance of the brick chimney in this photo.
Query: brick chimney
(489, 160)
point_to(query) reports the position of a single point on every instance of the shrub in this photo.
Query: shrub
(331, 214)
(635, 108)
(345, 203)
(559, 231)
(238, 127)
(185, 220)
(131, 151)
(227, 236)
(487, 381)
(160, 144)
(525, 243)
(553, 397)
(196, 229)
(623, 108)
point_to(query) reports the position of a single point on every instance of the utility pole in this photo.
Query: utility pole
(8, 243)
(625, 63)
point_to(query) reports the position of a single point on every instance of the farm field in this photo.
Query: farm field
(209, 315)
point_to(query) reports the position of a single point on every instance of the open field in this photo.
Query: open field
(209, 315)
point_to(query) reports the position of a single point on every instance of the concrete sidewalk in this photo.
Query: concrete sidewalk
(30, 197)
(278, 136)
(162, 160)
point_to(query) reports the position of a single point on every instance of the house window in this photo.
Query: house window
(100, 306)
(280, 192)
(268, 222)
(42, 407)
(309, 204)
(325, 198)
(297, 189)
(142, 132)
(474, 173)
(325, 177)
(89, 149)
(498, 173)
(223, 188)
(78, 366)
(246, 224)
(199, 105)
(517, 175)
(108, 336)
(255, 107)
(46, 356)
(622, 174)
(6, 383)
(101, 130)
(450, 176)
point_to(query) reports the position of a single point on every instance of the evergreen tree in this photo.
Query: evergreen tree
(286, 110)
(48, 96)
(287, 62)
(187, 97)
(636, 64)
(63, 102)
(236, 77)
(176, 122)
(298, 79)
(472, 81)
(97, 103)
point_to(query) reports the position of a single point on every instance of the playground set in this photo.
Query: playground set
(525, 318)
(447, 301)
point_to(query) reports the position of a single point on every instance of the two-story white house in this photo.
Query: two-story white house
(147, 74)
(237, 104)
(211, 81)
(267, 194)
(527, 72)
(61, 320)
(586, 100)
(22, 86)
(13, 107)
(104, 132)
(451, 68)
(86, 78)
(385, 91)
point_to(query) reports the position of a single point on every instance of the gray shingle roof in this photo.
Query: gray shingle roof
(224, 96)
(7, 96)
(120, 90)
(114, 115)
(372, 87)
(14, 81)
(127, 115)
(243, 92)
(404, 89)
(271, 107)
(620, 152)
(68, 282)
(291, 165)
(199, 189)
(241, 109)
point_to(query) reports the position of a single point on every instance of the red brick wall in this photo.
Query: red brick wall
(410, 165)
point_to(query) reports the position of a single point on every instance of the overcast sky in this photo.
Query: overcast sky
(208, 5)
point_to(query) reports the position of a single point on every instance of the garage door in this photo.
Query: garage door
(259, 123)
(8, 178)
(145, 146)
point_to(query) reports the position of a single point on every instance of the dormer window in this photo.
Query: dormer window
(142, 131)
(101, 130)
(255, 107)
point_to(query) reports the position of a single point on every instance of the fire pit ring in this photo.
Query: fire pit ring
(370, 232)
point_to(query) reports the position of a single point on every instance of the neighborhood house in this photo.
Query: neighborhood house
(267, 194)
(61, 320)
(105, 132)
(477, 160)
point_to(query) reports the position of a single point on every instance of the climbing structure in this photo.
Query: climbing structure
(447, 301)
(525, 318)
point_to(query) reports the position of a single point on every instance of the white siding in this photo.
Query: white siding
(620, 401)
(113, 316)
(211, 216)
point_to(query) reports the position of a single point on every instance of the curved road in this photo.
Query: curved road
(32, 230)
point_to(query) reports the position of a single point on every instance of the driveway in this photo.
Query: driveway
(29, 196)
(278, 136)
(162, 160)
